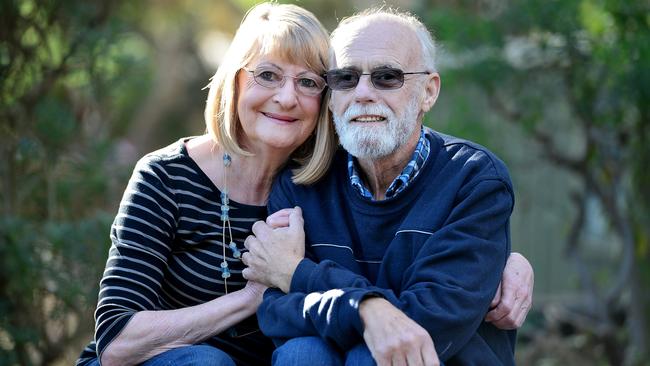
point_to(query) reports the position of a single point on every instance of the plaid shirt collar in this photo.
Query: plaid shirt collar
(402, 181)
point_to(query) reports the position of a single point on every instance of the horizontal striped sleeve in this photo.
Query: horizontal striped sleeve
(167, 248)
(141, 236)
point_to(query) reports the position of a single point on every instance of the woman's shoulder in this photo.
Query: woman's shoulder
(171, 160)
(175, 150)
(175, 153)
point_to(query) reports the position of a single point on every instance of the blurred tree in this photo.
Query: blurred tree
(67, 72)
(574, 76)
(86, 88)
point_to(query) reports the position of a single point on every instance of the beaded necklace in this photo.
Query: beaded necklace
(225, 224)
(236, 253)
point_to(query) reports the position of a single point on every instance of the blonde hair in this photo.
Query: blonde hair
(295, 35)
(427, 42)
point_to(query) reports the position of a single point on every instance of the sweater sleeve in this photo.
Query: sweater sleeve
(446, 288)
(284, 328)
(141, 237)
(280, 196)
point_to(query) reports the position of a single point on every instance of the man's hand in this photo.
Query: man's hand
(274, 254)
(514, 297)
(393, 338)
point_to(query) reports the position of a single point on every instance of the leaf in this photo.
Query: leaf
(55, 123)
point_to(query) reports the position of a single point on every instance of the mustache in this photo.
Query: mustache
(357, 110)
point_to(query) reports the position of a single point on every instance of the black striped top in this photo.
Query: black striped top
(166, 252)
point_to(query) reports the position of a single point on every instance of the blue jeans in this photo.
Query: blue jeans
(313, 351)
(196, 355)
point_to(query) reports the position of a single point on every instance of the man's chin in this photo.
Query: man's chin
(369, 149)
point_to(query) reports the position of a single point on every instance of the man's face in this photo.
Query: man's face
(373, 123)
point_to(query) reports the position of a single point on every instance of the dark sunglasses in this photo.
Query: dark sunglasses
(383, 78)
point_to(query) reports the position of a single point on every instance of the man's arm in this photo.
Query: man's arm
(390, 336)
(276, 324)
(514, 296)
(447, 289)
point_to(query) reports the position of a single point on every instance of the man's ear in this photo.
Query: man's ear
(431, 89)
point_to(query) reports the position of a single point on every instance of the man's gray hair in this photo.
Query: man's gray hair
(425, 37)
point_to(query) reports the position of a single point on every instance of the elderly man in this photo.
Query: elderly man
(407, 235)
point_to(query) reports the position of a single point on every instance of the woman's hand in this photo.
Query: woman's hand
(273, 254)
(279, 218)
(255, 291)
(514, 297)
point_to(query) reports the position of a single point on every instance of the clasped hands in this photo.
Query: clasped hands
(278, 246)
(275, 249)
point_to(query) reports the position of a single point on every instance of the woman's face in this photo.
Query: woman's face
(276, 118)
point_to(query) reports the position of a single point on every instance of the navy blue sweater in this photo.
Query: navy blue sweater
(436, 251)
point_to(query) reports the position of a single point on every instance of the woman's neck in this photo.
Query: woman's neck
(248, 178)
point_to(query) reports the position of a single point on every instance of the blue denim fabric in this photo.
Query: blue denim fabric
(197, 355)
(313, 351)
(359, 356)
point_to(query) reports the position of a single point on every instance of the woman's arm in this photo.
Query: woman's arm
(129, 325)
(150, 333)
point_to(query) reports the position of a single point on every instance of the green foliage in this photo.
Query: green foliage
(571, 73)
(46, 278)
(55, 124)
(72, 74)
(75, 73)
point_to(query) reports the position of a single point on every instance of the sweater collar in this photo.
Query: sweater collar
(408, 174)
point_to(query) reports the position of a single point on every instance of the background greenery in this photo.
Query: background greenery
(559, 89)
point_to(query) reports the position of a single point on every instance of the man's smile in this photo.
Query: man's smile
(370, 118)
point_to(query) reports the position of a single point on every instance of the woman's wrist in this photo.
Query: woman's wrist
(252, 297)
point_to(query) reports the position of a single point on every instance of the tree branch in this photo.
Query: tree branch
(546, 141)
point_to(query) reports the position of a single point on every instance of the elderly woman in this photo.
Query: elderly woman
(172, 292)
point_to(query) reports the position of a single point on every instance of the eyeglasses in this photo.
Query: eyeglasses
(307, 83)
(385, 78)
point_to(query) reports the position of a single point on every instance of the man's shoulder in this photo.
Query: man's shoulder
(466, 154)
(338, 162)
(286, 193)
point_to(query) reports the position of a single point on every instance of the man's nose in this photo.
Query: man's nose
(365, 92)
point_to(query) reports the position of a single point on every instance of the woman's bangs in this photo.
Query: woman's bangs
(295, 47)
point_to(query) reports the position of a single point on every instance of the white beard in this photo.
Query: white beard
(382, 138)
